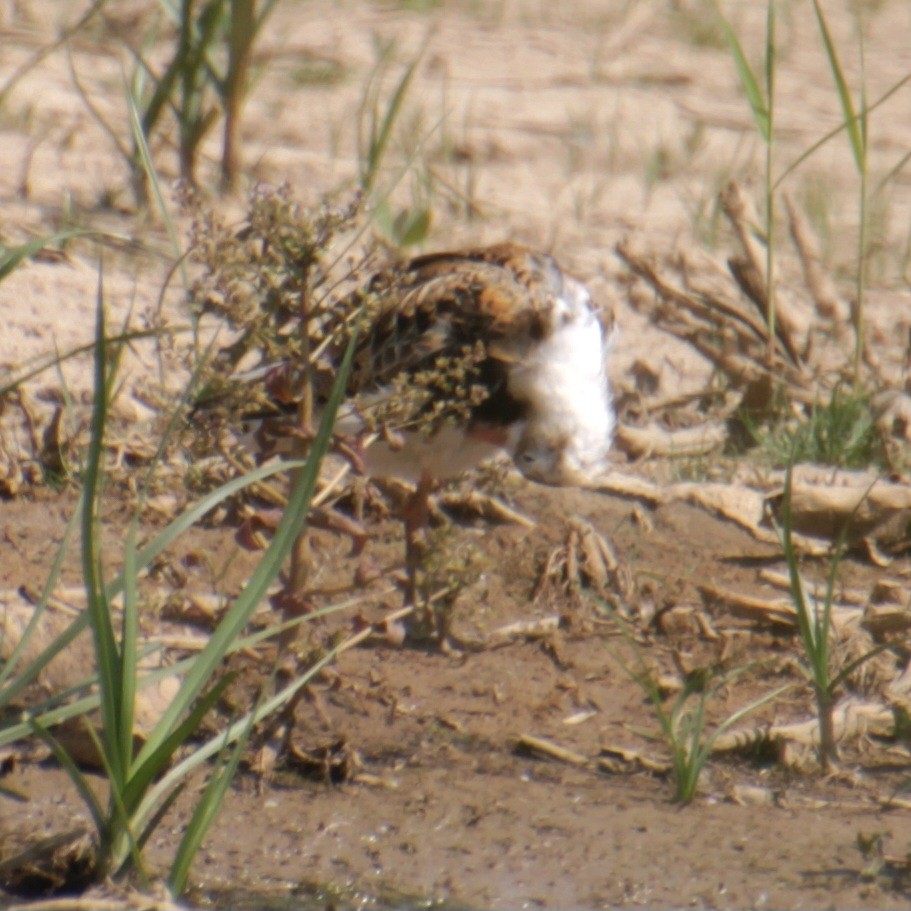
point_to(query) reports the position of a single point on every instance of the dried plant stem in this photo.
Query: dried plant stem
(819, 282)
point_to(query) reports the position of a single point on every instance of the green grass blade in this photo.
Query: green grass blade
(164, 87)
(46, 362)
(205, 812)
(853, 124)
(892, 173)
(757, 101)
(380, 132)
(852, 666)
(368, 109)
(144, 557)
(12, 661)
(814, 147)
(99, 818)
(12, 257)
(381, 141)
(46, 49)
(159, 815)
(179, 771)
(119, 842)
(145, 157)
(835, 562)
(824, 622)
(148, 766)
(61, 706)
(770, 48)
(129, 650)
(98, 609)
(805, 627)
(48, 717)
(168, 535)
(270, 564)
(212, 25)
(50, 712)
(741, 713)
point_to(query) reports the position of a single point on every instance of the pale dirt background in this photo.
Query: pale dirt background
(565, 125)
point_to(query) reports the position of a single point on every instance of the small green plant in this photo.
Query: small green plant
(841, 432)
(814, 625)
(206, 78)
(141, 786)
(855, 112)
(683, 724)
(375, 124)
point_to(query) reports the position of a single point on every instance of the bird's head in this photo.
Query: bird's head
(560, 459)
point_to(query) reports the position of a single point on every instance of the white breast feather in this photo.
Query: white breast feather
(565, 381)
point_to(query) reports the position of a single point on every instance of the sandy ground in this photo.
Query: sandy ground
(568, 126)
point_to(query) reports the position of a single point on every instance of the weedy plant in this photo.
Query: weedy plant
(841, 432)
(206, 78)
(275, 285)
(145, 782)
(376, 123)
(856, 113)
(683, 725)
(814, 625)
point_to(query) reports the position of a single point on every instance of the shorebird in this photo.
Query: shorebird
(466, 355)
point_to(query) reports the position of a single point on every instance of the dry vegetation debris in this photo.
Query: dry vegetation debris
(713, 407)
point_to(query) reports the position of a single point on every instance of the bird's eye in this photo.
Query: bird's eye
(528, 458)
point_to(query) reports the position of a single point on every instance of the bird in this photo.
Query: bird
(462, 356)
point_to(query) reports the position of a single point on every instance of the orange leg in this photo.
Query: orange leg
(417, 517)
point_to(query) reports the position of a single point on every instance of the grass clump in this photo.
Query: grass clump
(205, 80)
(273, 284)
(683, 723)
(379, 118)
(856, 110)
(144, 781)
(840, 432)
(814, 625)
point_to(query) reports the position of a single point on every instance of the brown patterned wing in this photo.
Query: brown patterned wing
(448, 327)
(536, 273)
(438, 305)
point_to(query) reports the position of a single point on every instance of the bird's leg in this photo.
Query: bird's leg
(417, 516)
